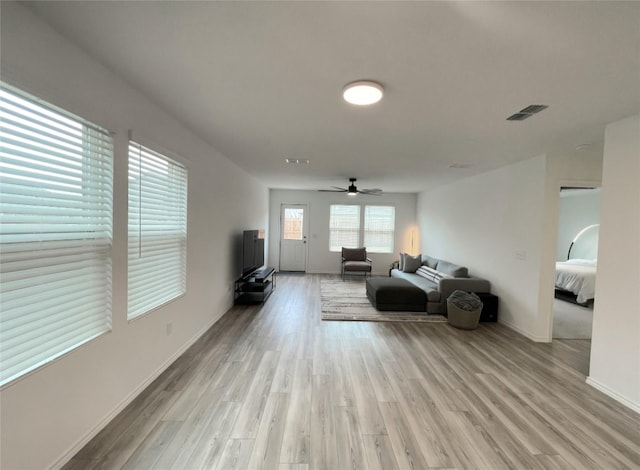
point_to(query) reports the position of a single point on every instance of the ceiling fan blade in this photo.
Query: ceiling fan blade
(352, 189)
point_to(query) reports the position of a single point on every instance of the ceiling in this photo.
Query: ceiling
(262, 81)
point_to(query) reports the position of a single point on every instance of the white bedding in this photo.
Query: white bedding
(577, 276)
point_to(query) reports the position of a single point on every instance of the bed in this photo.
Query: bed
(578, 277)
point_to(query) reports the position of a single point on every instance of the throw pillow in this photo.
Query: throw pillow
(429, 261)
(453, 269)
(432, 274)
(411, 263)
(401, 262)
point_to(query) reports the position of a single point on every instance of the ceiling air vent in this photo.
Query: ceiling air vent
(527, 112)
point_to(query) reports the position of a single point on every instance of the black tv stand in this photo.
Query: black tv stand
(255, 287)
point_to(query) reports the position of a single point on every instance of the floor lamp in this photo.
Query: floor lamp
(578, 236)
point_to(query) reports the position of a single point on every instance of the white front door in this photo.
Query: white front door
(293, 237)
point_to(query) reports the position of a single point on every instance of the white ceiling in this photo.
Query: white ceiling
(261, 81)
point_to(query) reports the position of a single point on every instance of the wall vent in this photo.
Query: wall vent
(527, 112)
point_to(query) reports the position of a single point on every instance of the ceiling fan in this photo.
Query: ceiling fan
(352, 190)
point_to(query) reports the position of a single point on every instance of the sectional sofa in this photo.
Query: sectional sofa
(437, 278)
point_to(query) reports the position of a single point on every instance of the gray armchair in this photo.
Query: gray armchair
(354, 260)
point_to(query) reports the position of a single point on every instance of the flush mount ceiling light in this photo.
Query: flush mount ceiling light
(362, 92)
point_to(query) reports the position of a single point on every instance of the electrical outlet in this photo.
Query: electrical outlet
(169, 328)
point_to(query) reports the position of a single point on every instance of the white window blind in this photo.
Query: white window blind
(55, 232)
(157, 229)
(379, 228)
(344, 226)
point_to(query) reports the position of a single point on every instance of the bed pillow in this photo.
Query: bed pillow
(411, 263)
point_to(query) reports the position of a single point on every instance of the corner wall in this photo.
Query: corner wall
(49, 414)
(503, 226)
(492, 223)
(615, 345)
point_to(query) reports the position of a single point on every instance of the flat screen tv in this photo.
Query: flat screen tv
(252, 251)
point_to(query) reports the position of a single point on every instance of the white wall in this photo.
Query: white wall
(578, 209)
(47, 415)
(615, 345)
(320, 259)
(491, 223)
(502, 225)
(574, 170)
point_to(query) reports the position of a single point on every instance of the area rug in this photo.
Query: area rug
(347, 301)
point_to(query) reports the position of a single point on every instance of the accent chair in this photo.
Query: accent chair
(354, 260)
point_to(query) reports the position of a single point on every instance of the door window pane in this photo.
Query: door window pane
(292, 224)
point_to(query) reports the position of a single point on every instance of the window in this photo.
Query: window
(157, 230)
(379, 228)
(56, 182)
(344, 226)
(293, 224)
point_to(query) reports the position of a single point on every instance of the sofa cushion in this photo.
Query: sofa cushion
(424, 284)
(433, 296)
(411, 263)
(452, 269)
(430, 262)
(359, 266)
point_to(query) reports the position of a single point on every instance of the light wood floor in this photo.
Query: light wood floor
(274, 387)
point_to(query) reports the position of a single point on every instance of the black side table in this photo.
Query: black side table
(490, 307)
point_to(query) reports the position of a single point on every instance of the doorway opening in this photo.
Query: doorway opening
(575, 273)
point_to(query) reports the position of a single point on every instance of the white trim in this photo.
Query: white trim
(68, 455)
(157, 147)
(613, 394)
(536, 339)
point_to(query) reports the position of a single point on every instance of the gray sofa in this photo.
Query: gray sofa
(437, 278)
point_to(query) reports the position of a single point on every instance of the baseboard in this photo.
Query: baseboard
(613, 394)
(68, 455)
(536, 339)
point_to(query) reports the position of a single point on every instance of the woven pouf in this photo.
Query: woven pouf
(464, 309)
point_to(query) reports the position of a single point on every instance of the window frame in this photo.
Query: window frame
(56, 233)
(361, 231)
(162, 246)
(391, 248)
(335, 245)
